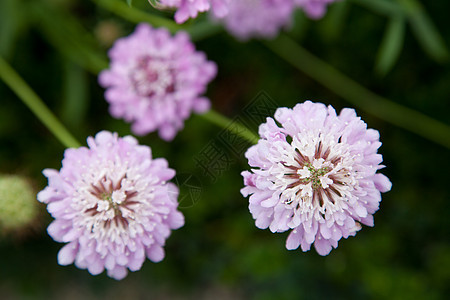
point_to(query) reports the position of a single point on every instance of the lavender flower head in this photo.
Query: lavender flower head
(315, 9)
(257, 18)
(112, 205)
(155, 80)
(190, 8)
(315, 176)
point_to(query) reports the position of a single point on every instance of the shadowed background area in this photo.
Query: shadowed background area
(397, 77)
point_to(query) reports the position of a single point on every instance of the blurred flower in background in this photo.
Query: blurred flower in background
(243, 18)
(18, 207)
(315, 175)
(112, 204)
(315, 9)
(155, 80)
(265, 18)
(190, 8)
(258, 18)
(107, 32)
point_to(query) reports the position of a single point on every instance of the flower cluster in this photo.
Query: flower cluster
(155, 80)
(112, 205)
(248, 18)
(316, 175)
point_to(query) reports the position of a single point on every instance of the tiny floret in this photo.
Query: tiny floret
(156, 80)
(314, 174)
(112, 204)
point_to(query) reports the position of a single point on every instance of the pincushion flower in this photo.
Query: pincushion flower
(315, 175)
(315, 9)
(112, 205)
(257, 18)
(155, 80)
(190, 8)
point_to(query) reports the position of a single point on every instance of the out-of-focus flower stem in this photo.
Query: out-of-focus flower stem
(36, 105)
(231, 125)
(134, 15)
(350, 90)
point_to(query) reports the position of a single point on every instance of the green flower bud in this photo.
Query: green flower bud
(18, 206)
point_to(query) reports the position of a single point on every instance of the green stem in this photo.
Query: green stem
(231, 125)
(197, 31)
(202, 30)
(35, 104)
(359, 96)
(134, 15)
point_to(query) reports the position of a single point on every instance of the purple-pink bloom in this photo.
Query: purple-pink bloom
(258, 18)
(315, 9)
(314, 175)
(155, 80)
(190, 8)
(112, 204)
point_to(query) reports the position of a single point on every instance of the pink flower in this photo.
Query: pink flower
(190, 8)
(258, 18)
(155, 80)
(265, 18)
(315, 176)
(112, 205)
(315, 9)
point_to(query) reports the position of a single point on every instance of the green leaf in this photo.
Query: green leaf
(425, 31)
(129, 2)
(391, 45)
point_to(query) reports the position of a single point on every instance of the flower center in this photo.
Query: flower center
(113, 203)
(315, 176)
(318, 174)
(152, 77)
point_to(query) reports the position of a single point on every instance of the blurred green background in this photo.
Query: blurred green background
(395, 49)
